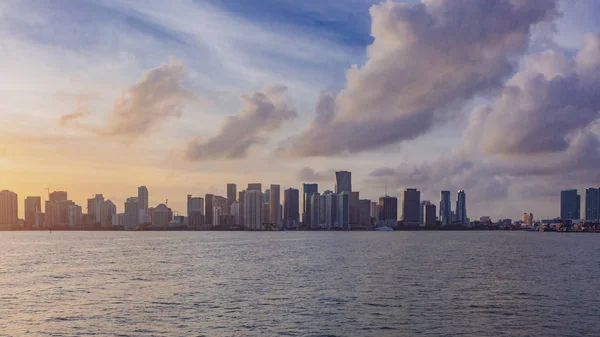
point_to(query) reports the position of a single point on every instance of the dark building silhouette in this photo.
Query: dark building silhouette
(592, 204)
(307, 191)
(231, 196)
(291, 206)
(208, 209)
(570, 204)
(388, 208)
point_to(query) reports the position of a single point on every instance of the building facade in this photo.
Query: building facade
(445, 208)
(592, 204)
(9, 209)
(570, 205)
(411, 202)
(253, 209)
(343, 182)
(461, 208)
(274, 203)
(291, 206)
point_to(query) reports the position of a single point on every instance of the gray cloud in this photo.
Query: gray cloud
(143, 107)
(427, 60)
(263, 112)
(309, 174)
(544, 108)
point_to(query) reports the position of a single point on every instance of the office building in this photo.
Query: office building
(231, 195)
(411, 202)
(161, 216)
(143, 198)
(314, 210)
(461, 208)
(569, 205)
(274, 203)
(267, 196)
(291, 206)
(374, 210)
(9, 209)
(75, 216)
(253, 208)
(57, 196)
(343, 182)
(429, 214)
(445, 208)
(354, 211)
(307, 191)
(132, 213)
(94, 207)
(343, 211)
(422, 211)
(364, 212)
(331, 207)
(194, 204)
(108, 210)
(221, 203)
(241, 197)
(33, 205)
(592, 204)
(209, 208)
(323, 209)
(388, 208)
(234, 210)
(255, 187)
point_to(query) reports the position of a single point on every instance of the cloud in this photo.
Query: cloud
(545, 107)
(142, 108)
(309, 174)
(427, 60)
(263, 113)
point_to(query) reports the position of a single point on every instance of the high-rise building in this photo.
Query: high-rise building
(220, 202)
(132, 213)
(241, 198)
(194, 204)
(108, 210)
(254, 187)
(267, 196)
(343, 182)
(9, 209)
(33, 205)
(143, 198)
(445, 208)
(331, 210)
(307, 191)
(374, 210)
(161, 216)
(411, 202)
(57, 196)
(266, 212)
(461, 208)
(75, 216)
(235, 211)
(429, 214)
(274, 203)
(570, 205)
(253, 207)
(314, 210)
(354, 212)
(422, 211)
(94, 207)
(231, 196)
(343, 211)
(364, 212)
(323, 209)
(291, 206)
(592, 204)
(209, 200)
(388, 208)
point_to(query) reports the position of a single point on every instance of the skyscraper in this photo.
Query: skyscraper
(143, 198)
(422, 211)
(208, 208)
(354, 197)
(231, 196)
(241, 199)
(253, 207)
(274, 202)
(267, 196)
(9, 209)
(388, 208)
(307, 191)
(411, 202)
(461, 208)
(364, 212)
(194, 204)
(592, 204)
(57, 196)
(32, 206)
(445, 208)
(291, 206)
(132, 213)
(314, 210)
(254, 187)
(429, 217)
(343, 182)
(569, 204)
(343, 211)
(374, 210)
(74, 216)
(95, 207)
(108, 210)
(331, 207)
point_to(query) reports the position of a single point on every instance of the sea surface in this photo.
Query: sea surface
(299, 284)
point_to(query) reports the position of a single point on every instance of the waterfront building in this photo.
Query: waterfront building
(570, 205)
(307, 191)
(374, 210)
(291, 203)
(445, 208)
(274, 205)
(132, 213)
(253, 208)
(364, 212)
(343, 182)
(411, 202)
(254, 187)
(354, 197)
(194, 204)
(343, 211)
(161, 217)
(331, 207)
(461, 208)
(429, 214)
(143, 198)
(592, 204)
(209, 207)
(314, 211)
(33, 205)
(57, 196)
(231, 195)
(75, 216)
(388, 208)
(9, 209)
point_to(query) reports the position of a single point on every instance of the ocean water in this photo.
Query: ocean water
(299, 284)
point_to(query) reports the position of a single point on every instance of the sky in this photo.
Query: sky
(499, 98)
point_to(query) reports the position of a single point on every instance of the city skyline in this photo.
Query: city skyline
(273, 95)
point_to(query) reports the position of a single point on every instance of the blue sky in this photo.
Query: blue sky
(66, 56)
